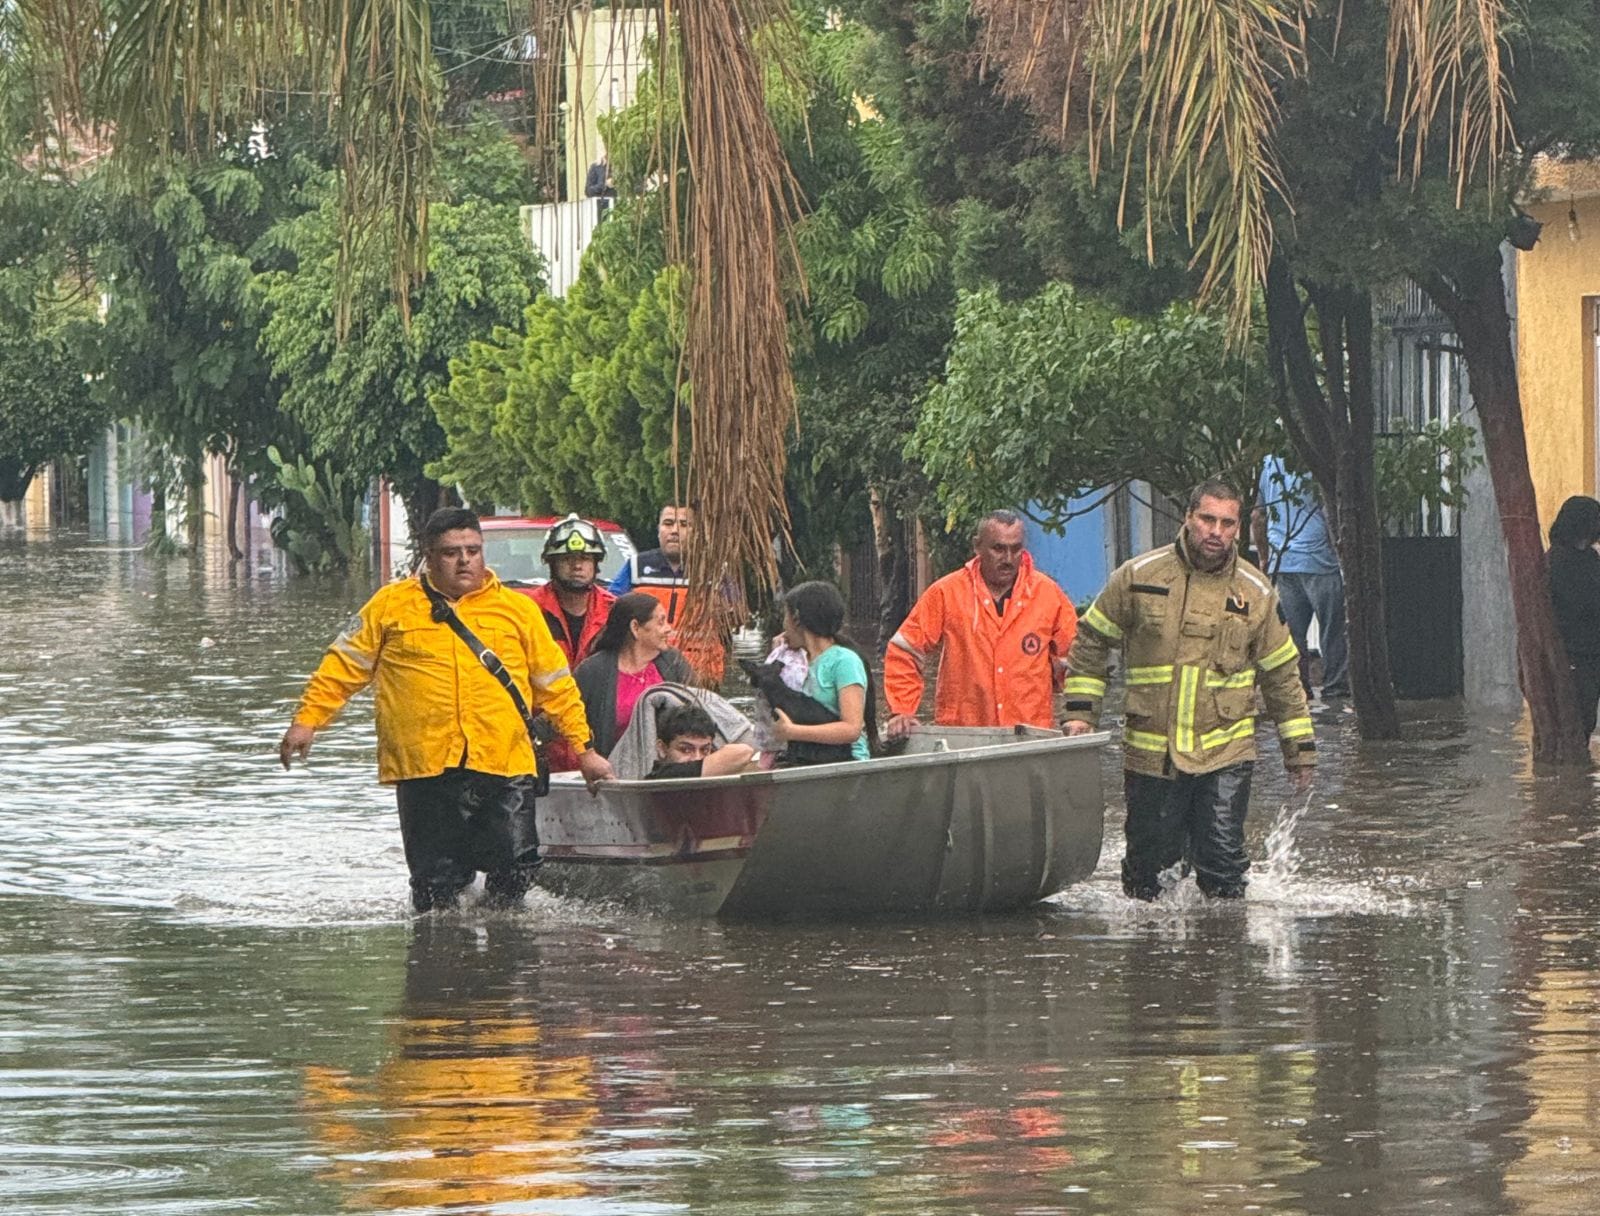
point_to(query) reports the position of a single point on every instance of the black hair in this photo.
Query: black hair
(819, 608)
(447, 519)
(1214, 487)
(676, 720)
(1577, 523)
(635, 607)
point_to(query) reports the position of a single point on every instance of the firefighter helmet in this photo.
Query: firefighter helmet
(574, 537)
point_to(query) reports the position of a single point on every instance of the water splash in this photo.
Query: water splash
(1277, 881)
(1283, 857)
(1284, 886)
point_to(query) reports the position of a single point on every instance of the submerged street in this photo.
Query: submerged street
(214, 997)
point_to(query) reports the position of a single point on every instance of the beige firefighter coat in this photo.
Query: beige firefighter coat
(1196, 646)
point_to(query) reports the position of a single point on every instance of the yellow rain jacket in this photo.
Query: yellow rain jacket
(1196, 646)
(437, 707)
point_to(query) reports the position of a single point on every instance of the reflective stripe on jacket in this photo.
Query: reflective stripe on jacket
(1197, 646)
(437, 707)
(994, 670)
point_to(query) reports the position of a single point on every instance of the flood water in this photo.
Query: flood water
(213, 998)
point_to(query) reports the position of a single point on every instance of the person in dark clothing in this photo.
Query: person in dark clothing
(1574, 571)
(632, 653)
(663, 564)
(686, 746)
(597, 182)
(661, 572)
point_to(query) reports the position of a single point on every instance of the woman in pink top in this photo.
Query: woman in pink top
(631, 654)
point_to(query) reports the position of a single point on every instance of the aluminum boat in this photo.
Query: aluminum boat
(967, 820)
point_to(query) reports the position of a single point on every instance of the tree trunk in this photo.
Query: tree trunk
(157, 540)
(422, 496)
(232, 528)
(1475, 301)
(1359, 538)
(194, 504)
(1328, 414)
(15, 478)
(894, 568)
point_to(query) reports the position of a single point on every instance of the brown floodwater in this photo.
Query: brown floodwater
(213, 998)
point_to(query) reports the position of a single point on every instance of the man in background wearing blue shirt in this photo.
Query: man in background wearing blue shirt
(1292, 542)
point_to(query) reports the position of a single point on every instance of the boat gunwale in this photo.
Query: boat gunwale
(1020, 745)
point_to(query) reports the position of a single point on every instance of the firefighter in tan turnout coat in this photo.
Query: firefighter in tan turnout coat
(1200, 632)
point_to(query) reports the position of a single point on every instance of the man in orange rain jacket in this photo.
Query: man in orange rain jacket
(1005, 630)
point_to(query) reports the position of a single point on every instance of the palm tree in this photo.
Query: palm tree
(154, 74)
(1187, 100)
(1185, 94)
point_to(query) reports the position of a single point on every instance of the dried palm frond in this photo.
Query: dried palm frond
(551, 26)
(1187, 90)
(731, 226)
(1444, 66)
(150, 70)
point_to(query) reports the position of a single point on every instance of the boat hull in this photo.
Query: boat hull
(972, 820)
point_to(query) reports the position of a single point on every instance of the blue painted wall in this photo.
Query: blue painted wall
(1078, 559)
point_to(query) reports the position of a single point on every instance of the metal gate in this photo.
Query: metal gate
(1422, 607)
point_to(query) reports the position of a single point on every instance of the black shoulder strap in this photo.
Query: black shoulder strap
(444, 613)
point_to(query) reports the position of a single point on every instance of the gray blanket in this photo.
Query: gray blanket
(635, 752)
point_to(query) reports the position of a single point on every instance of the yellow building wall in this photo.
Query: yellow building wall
(37, 501)
(607, 49)
(1556, 281)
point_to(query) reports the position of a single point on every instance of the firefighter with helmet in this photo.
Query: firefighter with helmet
(574, 604)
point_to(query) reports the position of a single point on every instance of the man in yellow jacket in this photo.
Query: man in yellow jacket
(1200, 630)
(450, 739)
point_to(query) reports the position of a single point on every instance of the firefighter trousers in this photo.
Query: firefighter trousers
(1194, 818)
(464, 821)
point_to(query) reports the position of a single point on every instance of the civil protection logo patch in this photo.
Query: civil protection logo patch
(1032, 644)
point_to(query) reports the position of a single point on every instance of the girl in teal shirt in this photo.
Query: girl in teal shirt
(813, 621)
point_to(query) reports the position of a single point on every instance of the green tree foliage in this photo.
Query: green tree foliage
(46, 409)
(1421, 471)
(180, 347)
(364, 402)
(880, 306)
(1054, 397)
(319, 527)
(574, 410)
(1022, 210)
(478, 160)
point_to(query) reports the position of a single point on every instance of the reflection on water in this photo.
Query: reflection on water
(213, 999)
(470, 1107)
